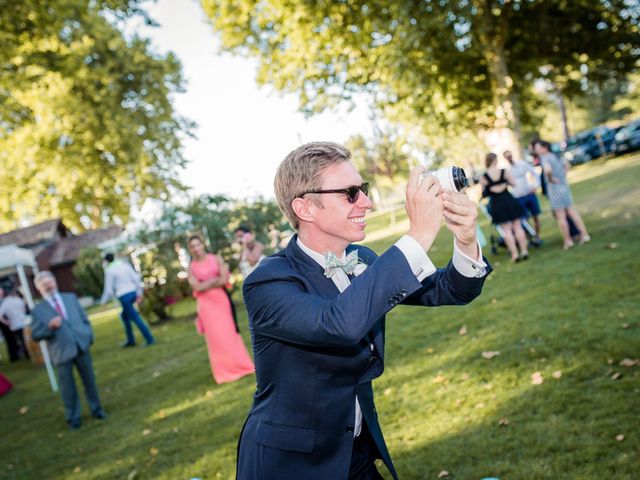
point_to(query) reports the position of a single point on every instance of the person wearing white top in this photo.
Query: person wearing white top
(13, 312)
(524, 191)
(123, 282)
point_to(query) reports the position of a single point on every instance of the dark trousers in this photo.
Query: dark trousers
(68, 390)
(15, 346)
(130, 314)
(363, 456)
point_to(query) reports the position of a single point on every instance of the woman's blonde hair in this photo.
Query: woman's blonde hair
(299, 172)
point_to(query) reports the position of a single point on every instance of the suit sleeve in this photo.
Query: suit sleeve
(281, 307)
(447, 286)
(39, 328)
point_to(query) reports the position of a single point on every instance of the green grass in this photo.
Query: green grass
(440, 403)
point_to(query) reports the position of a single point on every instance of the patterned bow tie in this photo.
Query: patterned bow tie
(333, 263)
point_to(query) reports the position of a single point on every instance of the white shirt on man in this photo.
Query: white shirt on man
(119, 279)
(421, 266)
(525, 177)
(13, 309)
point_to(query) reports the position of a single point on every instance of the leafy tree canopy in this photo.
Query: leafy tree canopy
(87, 126)
(450, 66)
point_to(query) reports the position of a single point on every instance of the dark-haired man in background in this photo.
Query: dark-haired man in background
(123, 282)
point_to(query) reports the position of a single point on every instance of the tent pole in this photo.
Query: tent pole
(43, 345)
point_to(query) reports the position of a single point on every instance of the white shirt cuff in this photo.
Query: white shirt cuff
(467, 266)
(420, 263)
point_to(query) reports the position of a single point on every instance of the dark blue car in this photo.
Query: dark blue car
(628, 138)
(588, 145)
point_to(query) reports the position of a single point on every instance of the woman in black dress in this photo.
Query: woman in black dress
(505, 210)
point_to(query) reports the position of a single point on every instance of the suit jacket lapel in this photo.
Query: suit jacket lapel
(313, 272)
(310, 269)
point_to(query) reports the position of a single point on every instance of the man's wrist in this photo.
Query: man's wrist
(425, 240)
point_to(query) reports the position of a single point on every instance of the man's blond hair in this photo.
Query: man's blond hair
(300, 171)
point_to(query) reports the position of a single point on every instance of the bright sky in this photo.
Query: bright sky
(243, 131)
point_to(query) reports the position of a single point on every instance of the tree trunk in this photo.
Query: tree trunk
(563, 113)
(491, 30)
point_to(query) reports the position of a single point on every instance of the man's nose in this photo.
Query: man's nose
(364, 201)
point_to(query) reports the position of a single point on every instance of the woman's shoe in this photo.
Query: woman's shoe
(569, 245)
(524, 256)
(585, 239)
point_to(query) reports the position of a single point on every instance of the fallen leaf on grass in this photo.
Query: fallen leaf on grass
(536, 378)
(465, 376)
(133, 474)
(209, 394)
(388, 391)
(429, 350)
(155, 374)
(463, 330)
(616, 375)
(494, 300)
(503, 422)
(612, 246)
(489, 355)
(625, 326)
(77, 470)
(557, 374)
(627, 362)
(23, 410)
(610, 361)
(443, 474)
(438, 379)
(620, 437)
(146, 432)
(154, 451)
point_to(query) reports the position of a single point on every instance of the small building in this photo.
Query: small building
(56, 248)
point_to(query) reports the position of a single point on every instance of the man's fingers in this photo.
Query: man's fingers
(414, 180)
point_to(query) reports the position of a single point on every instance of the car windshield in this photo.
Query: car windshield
(632, 127)
(573, 142)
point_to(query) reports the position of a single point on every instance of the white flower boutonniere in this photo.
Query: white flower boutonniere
(360, 267)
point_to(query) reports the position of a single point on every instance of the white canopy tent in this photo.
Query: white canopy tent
(14, 260)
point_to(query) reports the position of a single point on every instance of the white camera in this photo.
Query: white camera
(451, 178)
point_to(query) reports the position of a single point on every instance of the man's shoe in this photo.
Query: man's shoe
(127, 344)
(74, 426)
(148, 344)
(100, 415)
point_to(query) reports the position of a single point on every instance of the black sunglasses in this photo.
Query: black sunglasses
(352, 192)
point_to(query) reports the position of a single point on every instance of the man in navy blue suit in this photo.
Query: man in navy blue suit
(317, 315)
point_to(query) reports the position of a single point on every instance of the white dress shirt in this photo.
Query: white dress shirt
(56, 298)
(13, 309)
(525, 177)
(421, 266)
(119, 279)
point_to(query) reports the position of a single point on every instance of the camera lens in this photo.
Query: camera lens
(459, 178)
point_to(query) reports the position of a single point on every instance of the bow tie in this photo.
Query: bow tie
(333, 263)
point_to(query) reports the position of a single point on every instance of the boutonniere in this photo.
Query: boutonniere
(360, 267)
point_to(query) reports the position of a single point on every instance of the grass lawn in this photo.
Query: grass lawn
(570, 317)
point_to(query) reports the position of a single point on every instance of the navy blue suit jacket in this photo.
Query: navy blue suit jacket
(312, 357)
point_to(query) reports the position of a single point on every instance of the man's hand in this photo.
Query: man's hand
(424, 207)
(55, 322)
(139, 299)
(461, 216)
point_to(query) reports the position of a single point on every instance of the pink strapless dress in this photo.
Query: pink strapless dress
(227, 353)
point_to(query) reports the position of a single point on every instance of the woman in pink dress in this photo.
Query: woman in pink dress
(227, 353)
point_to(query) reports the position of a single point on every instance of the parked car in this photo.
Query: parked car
(588, 145)
(628, 138)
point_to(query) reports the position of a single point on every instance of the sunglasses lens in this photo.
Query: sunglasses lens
(352, 194)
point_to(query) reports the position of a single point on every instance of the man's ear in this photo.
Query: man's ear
(302, 209)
